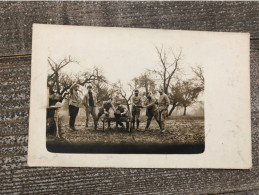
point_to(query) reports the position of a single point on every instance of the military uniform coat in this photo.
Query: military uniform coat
(86, 99)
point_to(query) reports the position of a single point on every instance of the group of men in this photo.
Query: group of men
(154, 108)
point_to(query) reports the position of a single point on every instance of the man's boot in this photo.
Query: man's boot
(137, 124)
(162, 124)
(73, 128)
(159, 123)
(95, 125)
(133, 124)
(147, 126)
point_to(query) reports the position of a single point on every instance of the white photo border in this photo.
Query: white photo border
(227, 109)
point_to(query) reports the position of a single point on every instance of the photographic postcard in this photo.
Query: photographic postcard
(129, 97)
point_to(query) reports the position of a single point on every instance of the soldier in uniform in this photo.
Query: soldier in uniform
(74, 101)
(89, 101)
(163, 103)
(120, 111)
(151, 109)
(136, 103)
(105, 110)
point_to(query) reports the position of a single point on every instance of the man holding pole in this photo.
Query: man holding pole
(163, 103)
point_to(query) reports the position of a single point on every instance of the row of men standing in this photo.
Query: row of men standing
(154, 108)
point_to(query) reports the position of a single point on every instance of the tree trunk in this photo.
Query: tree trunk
(146, 90)
(128, 106)
(146, 87)
(57, 83)
(171, 110)
(184, 113)
(166, 90)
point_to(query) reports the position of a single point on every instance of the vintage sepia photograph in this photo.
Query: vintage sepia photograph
(125, 94)
(132, 97)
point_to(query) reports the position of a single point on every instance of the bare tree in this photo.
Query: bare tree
(65, 81)
(134, 84)
(199, 80)
(185, 93)
(169, 64)
(56, 67)
(175, 96)
(100, 86)
(189, 93)
(145, 81)
(122, 92)
(89, 77)
(61, 82)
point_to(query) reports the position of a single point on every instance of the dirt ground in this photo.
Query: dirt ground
(179, 130)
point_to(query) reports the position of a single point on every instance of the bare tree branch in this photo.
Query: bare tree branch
(168, 67)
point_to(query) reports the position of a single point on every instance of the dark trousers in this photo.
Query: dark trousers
(100, 113)
(135, 114)
(73, 111)
(118, 119)
(150, 115)
(135, 117)
(91, 110)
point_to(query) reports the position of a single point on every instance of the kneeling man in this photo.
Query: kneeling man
(163, 103)
(105, 110)
(120, 111)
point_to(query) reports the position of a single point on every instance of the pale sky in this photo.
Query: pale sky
(124, 53)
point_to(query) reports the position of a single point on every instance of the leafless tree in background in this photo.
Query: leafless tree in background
(168, 66)
(54, 77)
(199, 80)
(189, 93)
(100, 85)
(182, 93)
(122, 92)
(60, 82)
(145, 81)
(175, 96)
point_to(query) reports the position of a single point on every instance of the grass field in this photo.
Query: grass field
(180, 131)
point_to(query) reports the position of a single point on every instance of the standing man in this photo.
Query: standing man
(151, 110)
(120, 111)
(163, 103)
(89, 102)
(105, 109)
(136, 103)
(74, 101)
